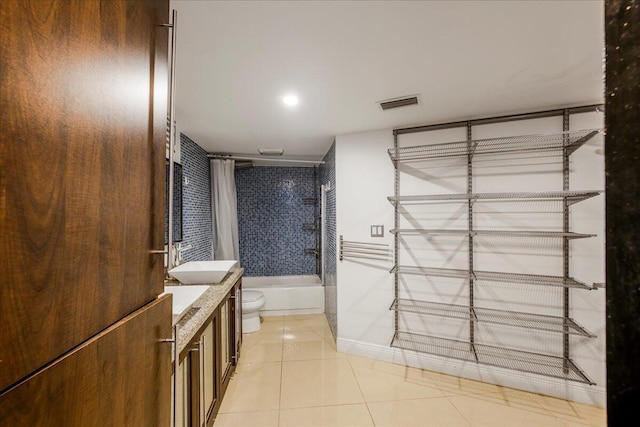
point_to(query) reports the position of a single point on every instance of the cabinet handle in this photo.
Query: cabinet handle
(176, 372)
(158, 252)
(172, 137)
(203, 410)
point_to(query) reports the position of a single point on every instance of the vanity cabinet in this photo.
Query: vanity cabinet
(207, 363)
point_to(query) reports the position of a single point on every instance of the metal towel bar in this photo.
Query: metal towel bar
(364, 250)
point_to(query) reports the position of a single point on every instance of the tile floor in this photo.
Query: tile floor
(290, 374)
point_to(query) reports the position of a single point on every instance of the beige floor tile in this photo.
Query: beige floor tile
(308, 346)
(260, 353)
(246, 367)
(260, 337)
(317, 322)
(274, 319)
(585, 423)
(318, 318)
(270, 328)
(292, 364)
(309, 350)
(327, 416)
(254, 387)
(323, 382)
(573, 412)
(308, 334)
(378, 386)
(322, 332)
(481, 412)
(449, 384)
(381, 366)
(513, 398)
(262, 348)
(422, 412)
(248, 419)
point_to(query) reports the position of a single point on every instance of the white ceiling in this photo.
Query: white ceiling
(466, 59)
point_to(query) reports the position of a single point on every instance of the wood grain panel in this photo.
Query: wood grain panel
(119, 378)
(83, 101)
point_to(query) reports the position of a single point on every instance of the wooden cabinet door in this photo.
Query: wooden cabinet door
(236, 319)
(119, 378)
(82, 129)
(204, 376)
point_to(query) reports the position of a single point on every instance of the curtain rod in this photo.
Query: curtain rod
(263, 159)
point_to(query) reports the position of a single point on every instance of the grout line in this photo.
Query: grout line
(458, 410)
(361, 393)
(281, 369)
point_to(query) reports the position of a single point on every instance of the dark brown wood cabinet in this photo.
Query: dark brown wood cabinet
(114, 379)
(83, 101)
(204, 373)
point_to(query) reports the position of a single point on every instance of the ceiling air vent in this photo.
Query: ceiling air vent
(270, 151)
(399, 102)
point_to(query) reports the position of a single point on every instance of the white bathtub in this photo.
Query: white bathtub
(288, 294)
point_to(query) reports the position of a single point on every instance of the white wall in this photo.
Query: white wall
(365, 177)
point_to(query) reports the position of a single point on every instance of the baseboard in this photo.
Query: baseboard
(291, 312)
(569, 390)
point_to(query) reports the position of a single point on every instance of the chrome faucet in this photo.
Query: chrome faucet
(179, 251)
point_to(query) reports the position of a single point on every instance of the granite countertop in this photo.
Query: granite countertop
(203, 307)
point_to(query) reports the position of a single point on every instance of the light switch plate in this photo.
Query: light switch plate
(377, 231)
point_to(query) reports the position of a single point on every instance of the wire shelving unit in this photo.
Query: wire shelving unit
(488, 315)
(570, 197)
(570, 141)
(514, 233)
(552, 365)
(502, 357)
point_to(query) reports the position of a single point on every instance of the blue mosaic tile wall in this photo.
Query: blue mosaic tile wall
(271, 216)
(177, 204)
(196, 201)
(328, 175)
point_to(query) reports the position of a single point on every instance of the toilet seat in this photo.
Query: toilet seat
(251, 296)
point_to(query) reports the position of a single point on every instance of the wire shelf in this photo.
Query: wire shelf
(529, 279)
(571, 196)
(511, 144)
(488, 315)
(515, 233)
(524, 361)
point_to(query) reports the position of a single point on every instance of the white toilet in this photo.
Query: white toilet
(252, 302)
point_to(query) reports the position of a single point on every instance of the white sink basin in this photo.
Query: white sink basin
(202, 271)
(183, 298)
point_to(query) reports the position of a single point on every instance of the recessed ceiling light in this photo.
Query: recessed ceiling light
(290, 100)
